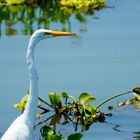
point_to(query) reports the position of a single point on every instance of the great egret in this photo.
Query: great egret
(22, 127)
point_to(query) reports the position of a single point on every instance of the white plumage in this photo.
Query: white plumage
(22, 127)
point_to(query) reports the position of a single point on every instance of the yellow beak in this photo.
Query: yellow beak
(59, 33)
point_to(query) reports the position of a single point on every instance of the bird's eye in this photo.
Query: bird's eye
(47, 33)
(44, 34)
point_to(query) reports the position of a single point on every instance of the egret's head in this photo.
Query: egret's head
(42, 34)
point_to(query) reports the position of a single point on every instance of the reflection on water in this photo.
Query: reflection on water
(30, 18)
(137, 135)
(122, 126)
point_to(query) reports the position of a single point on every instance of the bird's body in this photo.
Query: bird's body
(19, 130)
(22, 127)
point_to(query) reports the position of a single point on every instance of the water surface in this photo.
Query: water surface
(102, 61)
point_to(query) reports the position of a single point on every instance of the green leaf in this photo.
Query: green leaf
(46, 130)
(85, 97)
(21, 105)
(89, 109)
(10, 2)
(75, 136)
(48, 133)
(55, 99)
(64, 95)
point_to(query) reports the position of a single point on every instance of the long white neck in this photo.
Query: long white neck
(31, 106)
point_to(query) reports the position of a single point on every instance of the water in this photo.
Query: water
(102, 61)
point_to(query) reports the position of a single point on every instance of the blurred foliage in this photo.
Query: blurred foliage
(21, 105)
(11, 2)
(26, 16)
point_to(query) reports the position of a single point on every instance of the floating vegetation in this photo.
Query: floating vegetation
(68, 109)
(76, 4)
(48, 133)
(63, 109)
(135, 102)
(35, 14)
(81, 5)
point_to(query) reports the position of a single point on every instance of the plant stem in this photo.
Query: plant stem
(44, 109)
(41, 122)
(45, 102)
(73, 98)
(108, 99)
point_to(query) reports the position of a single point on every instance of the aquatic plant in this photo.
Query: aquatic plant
(11, 2)
(48, 133)
(67, 108)
(42, 14)
(63, 109)
(135, 101)
(81, 5)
